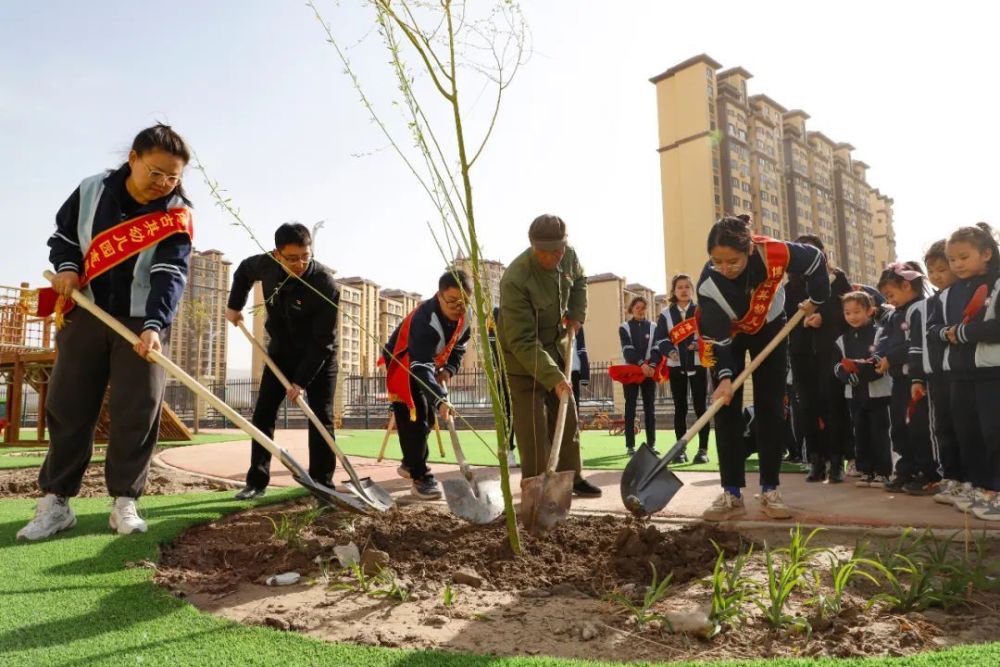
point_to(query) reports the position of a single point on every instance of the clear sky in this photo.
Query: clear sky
(261, 97)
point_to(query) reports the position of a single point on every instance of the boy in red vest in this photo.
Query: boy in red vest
(430, 344)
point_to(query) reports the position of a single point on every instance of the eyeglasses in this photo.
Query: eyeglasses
(161, 178)
(456, 303)
(296, 259)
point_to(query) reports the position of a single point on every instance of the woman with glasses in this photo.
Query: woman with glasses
(302, 302)
(422, 355)
(124, 239)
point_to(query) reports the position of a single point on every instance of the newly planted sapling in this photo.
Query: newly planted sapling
(641, 612)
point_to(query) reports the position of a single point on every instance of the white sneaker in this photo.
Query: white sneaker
(774, 506)
(971, 498)
(725, 507)
(125, 517)
(52, 514)
(946, 492)
(989, 510)
(852, 470)
(512, 460)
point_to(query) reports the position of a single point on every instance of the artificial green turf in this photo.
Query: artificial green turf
(73, 601)
(10, 462)
(600, 451)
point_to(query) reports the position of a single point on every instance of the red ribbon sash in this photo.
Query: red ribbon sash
(776, 256)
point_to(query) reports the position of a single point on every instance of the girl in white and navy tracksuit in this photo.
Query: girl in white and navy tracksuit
(901, 353)
(742, 309)
(868, 392)
(938, 383)
(637, 339)
(686, 370)
(972, 358)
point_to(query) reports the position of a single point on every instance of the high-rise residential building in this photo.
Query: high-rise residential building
(198, 335)
(883, 234)
(364, 318)
(723, 150)
(490, 273)
(349, 334)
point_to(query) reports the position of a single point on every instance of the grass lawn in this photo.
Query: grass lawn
(600, 450)
(73, 601)
(7, 461)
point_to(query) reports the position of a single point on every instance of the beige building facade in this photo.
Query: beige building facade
(198, 335)
(490, 273)
(724, 151)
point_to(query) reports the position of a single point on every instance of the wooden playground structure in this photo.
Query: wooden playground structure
(27, 357)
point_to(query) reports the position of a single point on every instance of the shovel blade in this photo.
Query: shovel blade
(331, 497)
(478, 501)
(545, 500)
(371, 494)
(655, 494)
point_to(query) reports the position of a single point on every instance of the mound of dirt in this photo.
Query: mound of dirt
(425, 543)
(23, 483)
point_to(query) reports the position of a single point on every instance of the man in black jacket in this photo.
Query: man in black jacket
(302, 302)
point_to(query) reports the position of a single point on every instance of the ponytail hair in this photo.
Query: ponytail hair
(732, 231)
(982, 238)
(163, 137)
(898, 273)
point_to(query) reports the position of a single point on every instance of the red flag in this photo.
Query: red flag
(975, 304)
(850, 365)
(632, 373)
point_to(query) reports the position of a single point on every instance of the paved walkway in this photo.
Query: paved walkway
(820, 504)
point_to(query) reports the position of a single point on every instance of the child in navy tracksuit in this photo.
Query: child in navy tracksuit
(967, 321)
(900, 353)
(868, 392)
(686, 370)
(943, 437)
(638, 347)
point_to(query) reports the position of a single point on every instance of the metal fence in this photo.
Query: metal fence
(364, 400)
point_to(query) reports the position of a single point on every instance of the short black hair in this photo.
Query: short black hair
(292, 233)
(457, 279)
(811, 239)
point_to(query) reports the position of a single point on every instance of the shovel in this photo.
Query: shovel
(365, 489)
(324, 494)
(647, 484)
(545, 498)
(385, 438)
(477, 500)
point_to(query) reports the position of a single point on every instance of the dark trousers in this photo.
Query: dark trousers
(90, 356)
(943, 437)
(768, 389)
(575, 381)
(414, 430)
(870, 422)
(975, 409)
(648, 391)
(823, 406)
(680, 382)
(319, 397)
(535, 411)
(912, 441)
(793, 417)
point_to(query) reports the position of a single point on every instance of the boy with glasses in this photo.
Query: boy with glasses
(302, 302)
(421, 356)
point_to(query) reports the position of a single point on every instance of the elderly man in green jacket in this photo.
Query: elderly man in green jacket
(542, 294)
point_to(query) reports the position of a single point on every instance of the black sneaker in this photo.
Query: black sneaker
(681, 457)
(585, 489)
(836, 472)
(817, 473)
(249, 493)
(701, 456)
(921, 486)
(426, 488)
(895, 484)
(630, 450)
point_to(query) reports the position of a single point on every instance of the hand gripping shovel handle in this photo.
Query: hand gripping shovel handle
(557, 437)
(718, 405)
(189, 382)
(306, 410)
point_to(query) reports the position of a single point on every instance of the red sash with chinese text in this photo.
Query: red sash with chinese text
(397, 374)
(115, 245)
(683, 330)
(776, 256)
(632, 373)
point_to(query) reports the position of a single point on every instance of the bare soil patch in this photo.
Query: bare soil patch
(465, 592)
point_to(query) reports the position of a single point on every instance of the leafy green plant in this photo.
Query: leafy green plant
(782, 580)
(389, 586)
(448, 596)
(914, 584)
(730, 588)
(830, 605)
(642, 611)
(290, 526)
(357, 581)
(798, 550)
